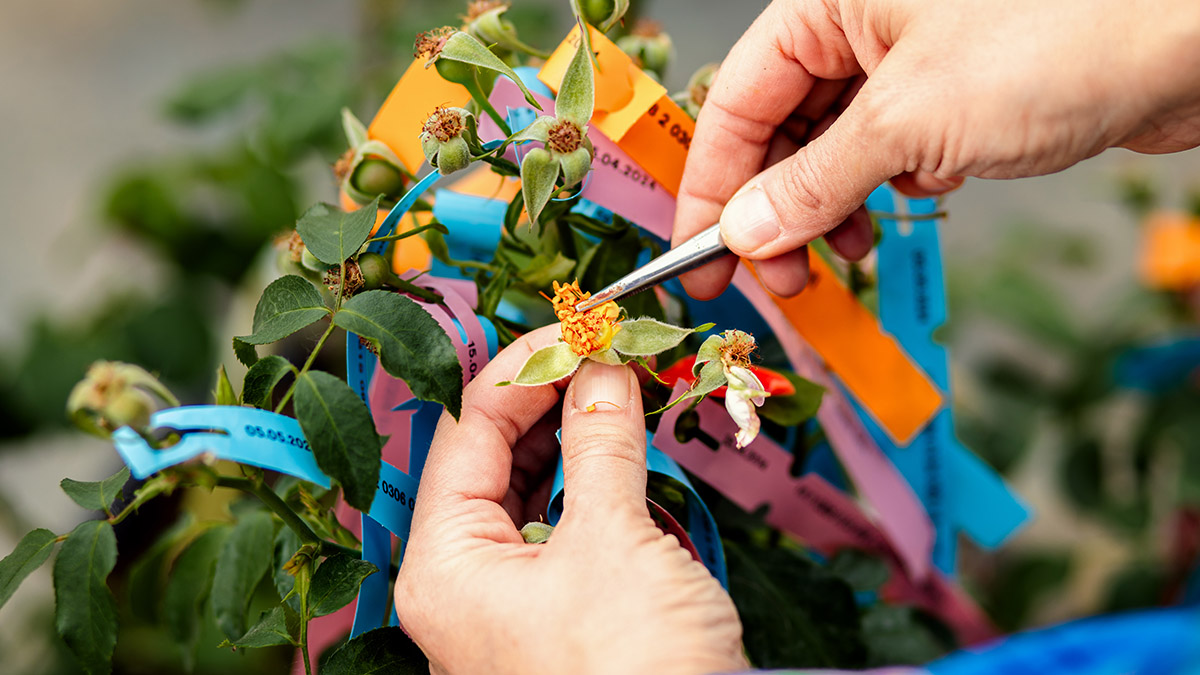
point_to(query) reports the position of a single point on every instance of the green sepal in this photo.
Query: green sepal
(575, 166)
(223, 393)
(647, 337)
(288, 304)
(577, 94)
(539, 171)
(463, 48)
(548, 364)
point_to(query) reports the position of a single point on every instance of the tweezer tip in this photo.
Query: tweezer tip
(599, 298)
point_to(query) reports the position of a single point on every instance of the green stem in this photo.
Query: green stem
(476, 92)
(287, 396)
(408, 287)
(408, 233)
(275, 503)
(509, 167)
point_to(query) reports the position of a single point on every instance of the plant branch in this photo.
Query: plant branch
(408, 233)
(287, 396)
(272, 501)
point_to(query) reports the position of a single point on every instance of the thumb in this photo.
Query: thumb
(804, 196)
(604, 438)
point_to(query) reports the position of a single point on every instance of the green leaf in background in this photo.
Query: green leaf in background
(864, 572)
(147, 576)
(336, 582)
(902, 636)
(548, 364)
(383, 651)
(647, 337)
(262, 378)
(287, 305)
(342, 435)
(245, 558)
(33, 550)
(333, 235)
(97, 496)
(793, 409)
(275, 627)
(224, 394)
(188, 587)
(412, 346)
(286, 545)
(1020, 582)
(795, 614)
(85, 612)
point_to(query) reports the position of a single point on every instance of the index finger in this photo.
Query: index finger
(471, 458)
(763, 79)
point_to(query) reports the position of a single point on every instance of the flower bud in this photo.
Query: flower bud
(369, 169)
(310, 262)
(697, 88)
(649, 47)
(604, 14)
(448, 137)
(375, 270)
(113, 395)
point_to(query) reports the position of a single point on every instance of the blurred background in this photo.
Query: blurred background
(153, 148)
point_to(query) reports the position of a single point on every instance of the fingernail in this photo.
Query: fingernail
(749, 221)
(601, 387)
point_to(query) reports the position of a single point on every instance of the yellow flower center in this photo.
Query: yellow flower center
(587, 332)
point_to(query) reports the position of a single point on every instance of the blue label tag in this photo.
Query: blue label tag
(1159, 367)
(248, 435)
(1163, 642)
(958, 490)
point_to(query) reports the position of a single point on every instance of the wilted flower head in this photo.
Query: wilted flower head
(448, 138)
(693, 98)
(429, 43)
(113, 395)
(745, 392)
(586, 332)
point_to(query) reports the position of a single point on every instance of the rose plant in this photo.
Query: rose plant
(285, 534)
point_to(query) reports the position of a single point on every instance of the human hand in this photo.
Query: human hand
(608, 593)
(821, 101)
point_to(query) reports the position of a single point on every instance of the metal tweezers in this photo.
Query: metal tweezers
(695, 252)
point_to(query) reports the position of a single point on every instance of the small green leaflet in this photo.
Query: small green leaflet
(33, 550)
(412, 345)
(333, 235)
(262, 378)
(336, 582)
(288, 304)
(383, 651)
(274, 627)
(97, 496)
(85, 613)
(342, 435)
(463, 48)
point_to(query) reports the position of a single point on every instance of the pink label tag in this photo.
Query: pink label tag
(810, 508)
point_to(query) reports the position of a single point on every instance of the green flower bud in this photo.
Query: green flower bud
(485, 22)
(697, 88)
(369, 169)
(113, 395)
(375, 270)
(448, 139)
(649, 47)
(603, 14)
(376, 176)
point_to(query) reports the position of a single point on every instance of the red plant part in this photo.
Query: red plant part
(773, 382)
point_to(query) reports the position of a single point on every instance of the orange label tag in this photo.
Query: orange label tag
(1171, 251)
(632, 109)
(398, 122)
(869, 362)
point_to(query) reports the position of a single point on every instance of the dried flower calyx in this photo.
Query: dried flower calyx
(115, 394)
